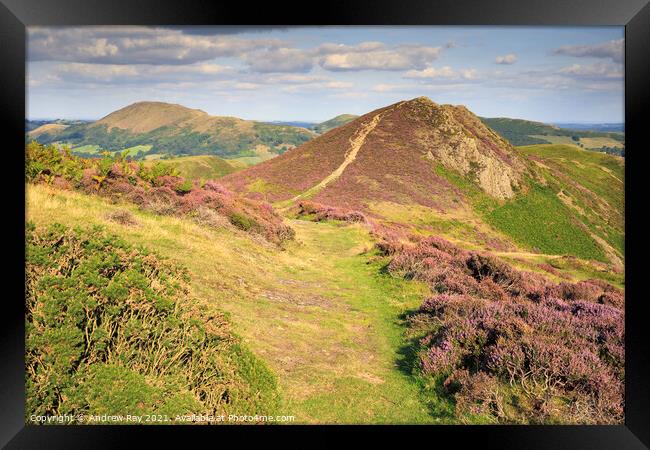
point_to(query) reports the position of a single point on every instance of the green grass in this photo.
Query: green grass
(325, 321)
(539, 220)
(535, 218)
(380, 387)
(204, 167)
(87, 149)
(261, 186)
(595, 182)
(586, 168)
(599, 142)
(112, 329)
(562, 140)
(251, 160)
(136, 150)
(95, 150)
(337, 121)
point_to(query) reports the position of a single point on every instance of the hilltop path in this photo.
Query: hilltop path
(356, 142)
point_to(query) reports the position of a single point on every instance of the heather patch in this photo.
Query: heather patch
(156, 187)
(318, 212)
(510, 346)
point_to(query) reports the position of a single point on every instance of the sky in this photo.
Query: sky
(548, 74)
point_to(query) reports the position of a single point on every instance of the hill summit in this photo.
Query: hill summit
(396, 154)
(167, 128)
(142, 117)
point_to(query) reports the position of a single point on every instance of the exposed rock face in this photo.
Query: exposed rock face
(460, 141)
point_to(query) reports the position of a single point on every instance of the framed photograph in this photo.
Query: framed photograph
(376, 214)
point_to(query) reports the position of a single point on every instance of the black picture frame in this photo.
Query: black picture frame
(15, 15)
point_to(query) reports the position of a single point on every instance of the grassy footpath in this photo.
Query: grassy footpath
(324, 319)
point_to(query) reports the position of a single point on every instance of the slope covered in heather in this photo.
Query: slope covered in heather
(439, 169)
(393, 161)
(347, 314)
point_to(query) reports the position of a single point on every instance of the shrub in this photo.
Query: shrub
(321, 212)
(207, 216)
(122, 217)
(184, 187)
(111, 329)
(240, 221)
(156, 188)
(513, 346)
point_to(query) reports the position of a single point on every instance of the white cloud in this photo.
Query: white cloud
(133, 74)
(135, 45)
(388, 87)
(596, 70)
(597, 76)
(326, 85)
(291, 78)
(444, 72)
(246, 86)
(510, 58)
(280, 60)
(375, 56)
(612, 50)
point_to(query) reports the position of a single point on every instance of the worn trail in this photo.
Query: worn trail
(356, 142)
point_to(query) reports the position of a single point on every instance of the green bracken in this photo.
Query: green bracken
(112, 329)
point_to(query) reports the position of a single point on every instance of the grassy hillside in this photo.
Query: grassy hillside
(156, 187)
(323, 313)
(324, 320)
(206, 167)
(573, 204)
(334, 122)
(414, 268)
(113, 329)
(396, 165)
(176, 130)
(591, 184)
(524, 132)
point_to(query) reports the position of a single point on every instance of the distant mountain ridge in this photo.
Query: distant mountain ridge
(334, 122)
(598, 127)
(322, 127)
(526, 132)
(158, 128)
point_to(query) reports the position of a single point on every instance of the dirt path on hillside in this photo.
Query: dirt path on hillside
(356, 142)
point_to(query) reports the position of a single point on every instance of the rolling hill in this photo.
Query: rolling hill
(526, 132)
(332, 123)
(390, 154)
(397, 245)
(177, 130)
(203, 167)
(440, 169)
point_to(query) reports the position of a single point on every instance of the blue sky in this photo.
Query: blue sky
(559, 74)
